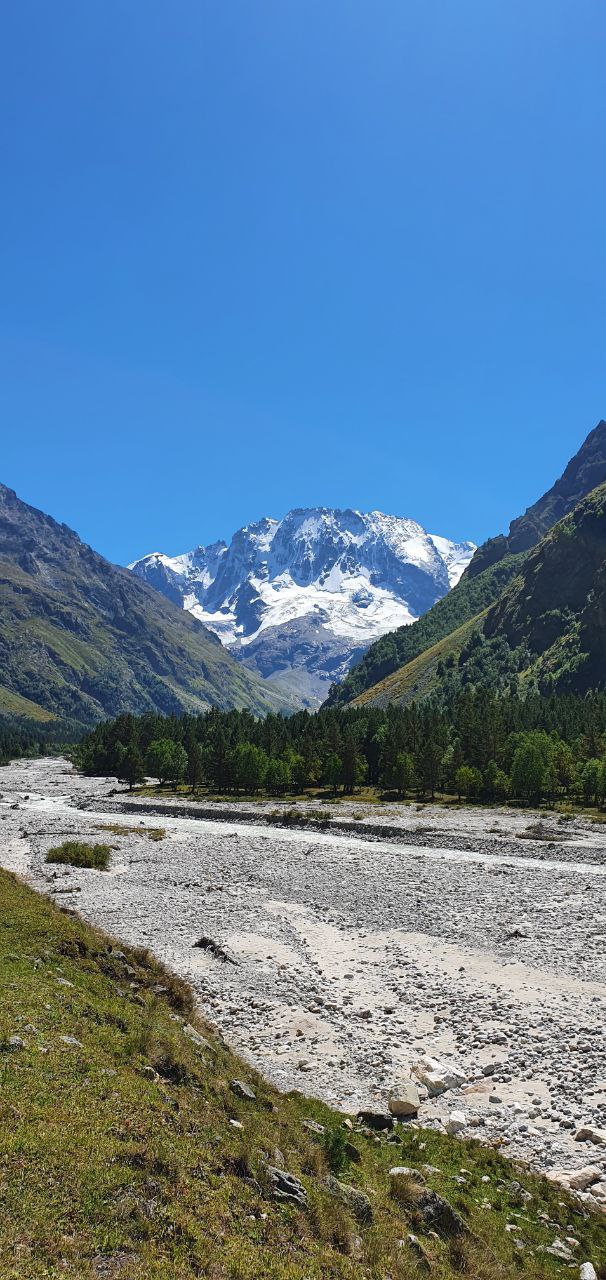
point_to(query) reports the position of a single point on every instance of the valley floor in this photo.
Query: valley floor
(356, 955)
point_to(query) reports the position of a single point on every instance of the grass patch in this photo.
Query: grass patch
(119, 1155)
(76, 853)
(152, 833)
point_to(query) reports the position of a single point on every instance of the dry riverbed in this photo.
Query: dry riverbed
(350, 955)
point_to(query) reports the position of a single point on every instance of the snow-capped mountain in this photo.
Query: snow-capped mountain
(299, 600)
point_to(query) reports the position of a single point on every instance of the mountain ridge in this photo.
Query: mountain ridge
(297, 599)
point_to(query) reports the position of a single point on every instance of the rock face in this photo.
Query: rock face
(583, 473)
(298, 600)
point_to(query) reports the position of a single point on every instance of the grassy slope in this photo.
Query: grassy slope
(104, 1171)
(419, 677)
(13, 704)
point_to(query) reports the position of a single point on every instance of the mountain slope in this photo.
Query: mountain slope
(547, 628)
(81, 638)
(298, 600)
(493, 566)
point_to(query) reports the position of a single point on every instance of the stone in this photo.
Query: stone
(71, 1041)
(590, 1133)
(438, 1215)
(414, 1244)
(581, 1179)
(438, 1077)
(195, 1036)
(405, 1171)
(377, 1120)
(559, 1250)
(15, 1043)
(285, 1188)
(587, 1271)
(243, 1090)
(313, 1126)
(404, 1100)
(455, 1123)
(356, 1201)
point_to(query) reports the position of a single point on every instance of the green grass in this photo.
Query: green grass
(152, 833)
(419, 677)
(75, 853)
(119, 1155)
(14, 704)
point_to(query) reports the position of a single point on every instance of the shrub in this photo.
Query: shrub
(334, 1143)
(75, 853)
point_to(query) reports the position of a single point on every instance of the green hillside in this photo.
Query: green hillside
(493, 567)
(81, 638)
(467, 600)
(547, 628)
(128, 1149)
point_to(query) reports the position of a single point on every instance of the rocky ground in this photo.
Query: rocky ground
(339, 962)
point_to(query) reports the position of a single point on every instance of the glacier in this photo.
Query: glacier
(300, 599)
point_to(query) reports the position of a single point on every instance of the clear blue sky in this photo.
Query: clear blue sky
(257, 254)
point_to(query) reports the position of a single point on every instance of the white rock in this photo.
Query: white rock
(438, 1076)
(403, 1171)
(404, 1099)
(587, 1271)
(456, 1121)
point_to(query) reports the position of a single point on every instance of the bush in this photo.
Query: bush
(75, 853)
(334, 1143)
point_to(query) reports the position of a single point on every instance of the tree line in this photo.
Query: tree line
(479, 745)
(26, 739)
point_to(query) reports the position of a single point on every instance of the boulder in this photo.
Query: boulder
(243, 1090)
(377, 1120)
(194, 1035)
(404, 1100)
(581, 1179)
(406, 1171)
(285, 1188)
(590, 1133)
(438, 1076)
(356, 1201)
(455, 1123)
(587, 1271)
(438, 1215)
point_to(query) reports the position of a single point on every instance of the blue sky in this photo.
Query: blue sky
(257, 254)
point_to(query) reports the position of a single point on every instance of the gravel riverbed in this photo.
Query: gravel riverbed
(353, 953)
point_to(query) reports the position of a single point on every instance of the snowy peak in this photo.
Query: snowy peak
(317, 586)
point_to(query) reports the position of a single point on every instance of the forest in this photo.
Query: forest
(25, 739)
(479, 746)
